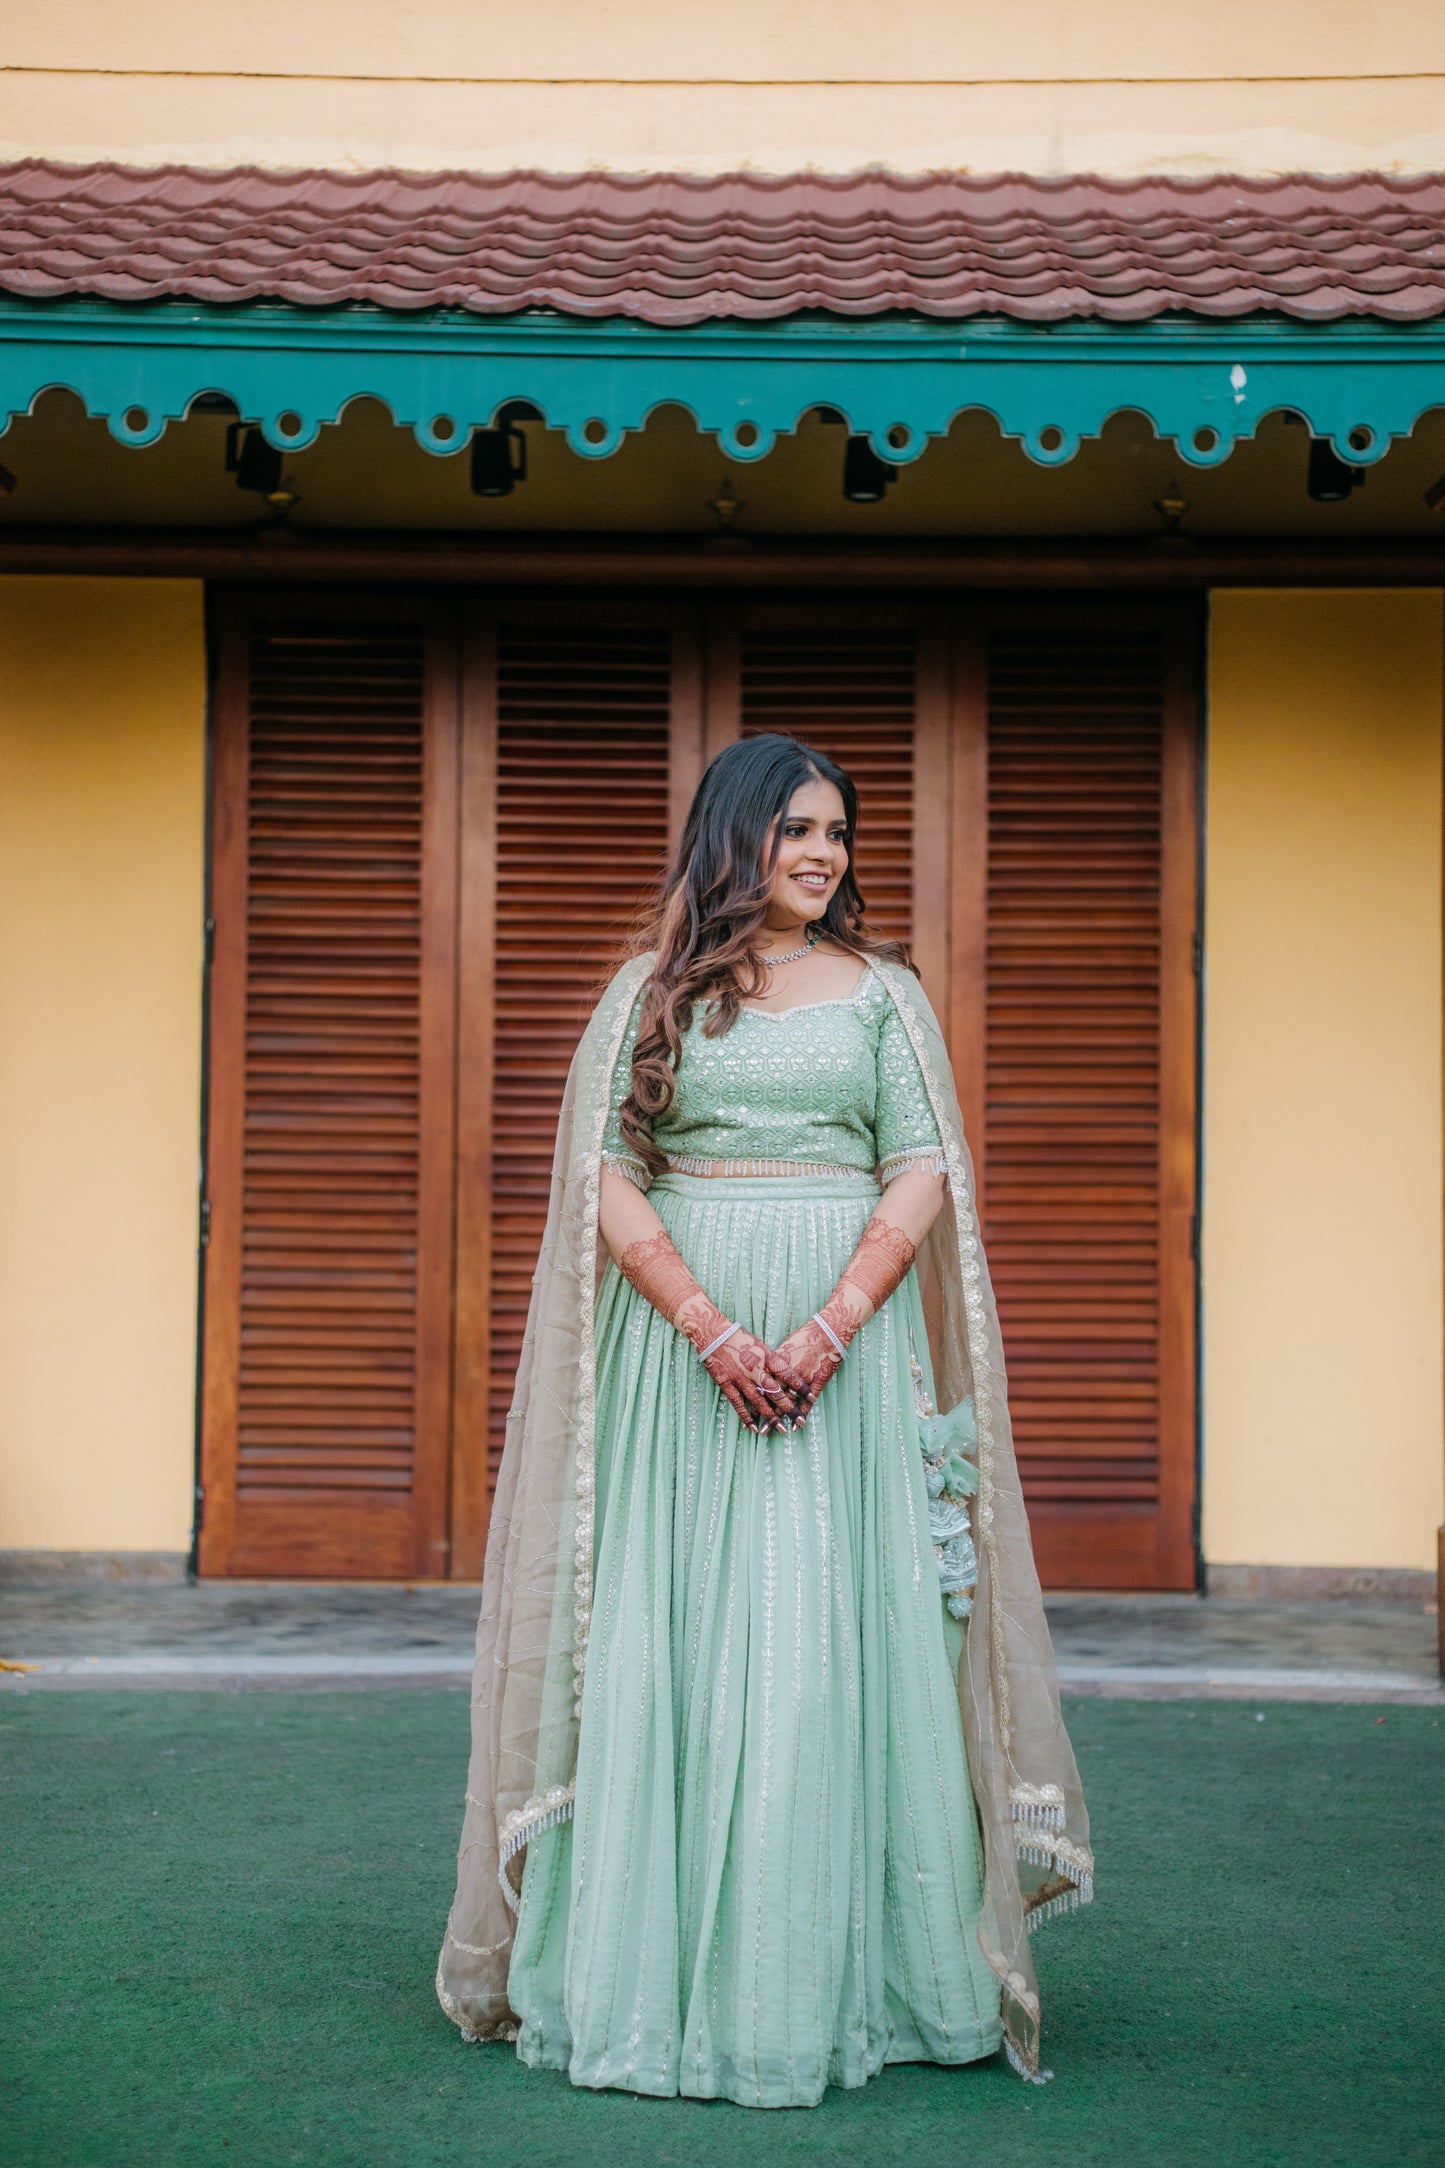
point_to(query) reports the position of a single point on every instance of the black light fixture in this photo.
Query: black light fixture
(499, 461)
(255, 463)
(1330, 479)
(499, 454)
(865, 476)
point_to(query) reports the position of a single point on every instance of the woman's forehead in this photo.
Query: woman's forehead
(817, 800)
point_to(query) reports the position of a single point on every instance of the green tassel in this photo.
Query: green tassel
(960, 1476)
(945, 1433)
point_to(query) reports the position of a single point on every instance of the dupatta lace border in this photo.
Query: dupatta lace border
(547, 1809)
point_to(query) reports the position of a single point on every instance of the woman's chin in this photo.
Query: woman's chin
(805, 905)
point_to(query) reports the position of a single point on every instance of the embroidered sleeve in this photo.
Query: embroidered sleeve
(905, 1131)
(617, 1154)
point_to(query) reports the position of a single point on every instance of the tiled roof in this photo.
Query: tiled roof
(672, 249)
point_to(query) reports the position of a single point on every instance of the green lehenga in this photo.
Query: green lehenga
(749, 1810)
(773, 1876)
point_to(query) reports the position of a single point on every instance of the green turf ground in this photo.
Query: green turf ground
(221, 1915)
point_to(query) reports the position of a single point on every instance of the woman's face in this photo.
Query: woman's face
(812, 855)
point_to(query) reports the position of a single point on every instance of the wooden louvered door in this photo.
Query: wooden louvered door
(582, 744)
(330, 1135)
(1075, 914)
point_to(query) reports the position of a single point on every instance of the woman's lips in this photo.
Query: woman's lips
(816, 881)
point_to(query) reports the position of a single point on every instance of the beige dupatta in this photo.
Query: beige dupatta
(536, 1610)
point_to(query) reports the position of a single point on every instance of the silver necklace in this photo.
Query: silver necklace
(795, 955)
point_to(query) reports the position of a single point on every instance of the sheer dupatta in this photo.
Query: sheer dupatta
(537, 1591)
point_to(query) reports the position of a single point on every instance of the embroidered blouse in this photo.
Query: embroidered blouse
(828, 1086)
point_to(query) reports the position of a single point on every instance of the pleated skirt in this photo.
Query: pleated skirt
(773, 1877)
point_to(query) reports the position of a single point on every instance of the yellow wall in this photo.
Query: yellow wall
(1049, 86)
(1322, 1080)
(102, 824)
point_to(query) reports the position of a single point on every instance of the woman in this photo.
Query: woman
(768, 1776)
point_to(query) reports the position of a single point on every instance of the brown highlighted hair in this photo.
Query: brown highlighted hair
(711, 909)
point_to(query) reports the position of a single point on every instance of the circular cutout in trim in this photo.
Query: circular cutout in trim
(594, 431)
(136, 419)
(1205, 440)
(443, 428)
(900, 436)
(746, 435)
(289, 424)
(1361, 437)
(1051, 438)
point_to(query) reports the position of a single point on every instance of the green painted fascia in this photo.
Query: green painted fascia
(900, 381)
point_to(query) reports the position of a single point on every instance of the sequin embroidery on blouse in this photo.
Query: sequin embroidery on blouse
(832, 1084)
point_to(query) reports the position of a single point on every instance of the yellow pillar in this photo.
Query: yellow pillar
(102, 848)
(1322, 1224)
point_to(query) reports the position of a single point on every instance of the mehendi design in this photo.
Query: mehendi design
(658, 1272)
(880, 1263)
(765, 1390)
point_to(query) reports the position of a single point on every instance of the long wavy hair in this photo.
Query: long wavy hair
(711, 908)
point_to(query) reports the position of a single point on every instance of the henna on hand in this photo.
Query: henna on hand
(764, 1391)
(813, 1355)
(880, 1263)
(657, 1271)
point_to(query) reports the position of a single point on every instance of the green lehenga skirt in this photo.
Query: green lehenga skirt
(773, 1878)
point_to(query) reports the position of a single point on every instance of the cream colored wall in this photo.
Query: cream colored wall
(1322, 1080)
(1049, 86)
(102, 825)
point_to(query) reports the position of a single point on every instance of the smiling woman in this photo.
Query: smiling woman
(768, 1772)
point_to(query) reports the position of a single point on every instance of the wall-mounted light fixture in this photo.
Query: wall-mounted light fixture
(499, 461)
(1330, 479)
(866, 477)
(255, 463)
(499, 454)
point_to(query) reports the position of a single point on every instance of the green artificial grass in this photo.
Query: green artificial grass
(221, 1916)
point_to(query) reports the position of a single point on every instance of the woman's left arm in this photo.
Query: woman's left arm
(885, 1253)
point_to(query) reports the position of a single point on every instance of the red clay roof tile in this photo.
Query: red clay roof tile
(675, 249)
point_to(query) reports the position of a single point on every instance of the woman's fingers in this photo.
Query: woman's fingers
(790, 1375)
(731, 1394)
(761, 1365)
(741, 1374)
(775, 1389)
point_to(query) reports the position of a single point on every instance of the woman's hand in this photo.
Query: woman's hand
(815, 1354)
(882, 1260)
(765, 1391)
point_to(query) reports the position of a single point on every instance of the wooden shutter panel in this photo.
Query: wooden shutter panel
(327, 1310)
(1087, 1144)
(583, 716)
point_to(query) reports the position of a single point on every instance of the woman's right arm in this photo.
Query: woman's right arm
(766, 1391)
